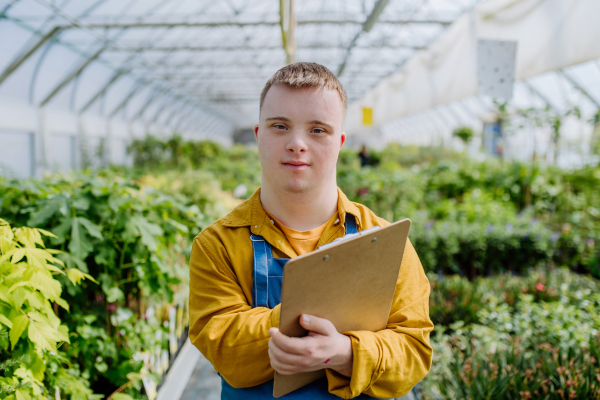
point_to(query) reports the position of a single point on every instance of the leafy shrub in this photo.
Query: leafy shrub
(455, 299)
(133, 240)
(541, 344)
(30, 331)
(231, 166)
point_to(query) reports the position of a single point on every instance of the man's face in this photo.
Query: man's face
(299, 137)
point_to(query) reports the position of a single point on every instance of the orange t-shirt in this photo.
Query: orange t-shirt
(302, 241)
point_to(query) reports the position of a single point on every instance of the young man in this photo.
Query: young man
(237, 262)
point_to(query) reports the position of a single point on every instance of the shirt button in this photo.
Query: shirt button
(337, 221)
(279, 241)
(256, 226)
(272, 222)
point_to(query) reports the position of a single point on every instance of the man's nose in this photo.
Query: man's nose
(297, 143)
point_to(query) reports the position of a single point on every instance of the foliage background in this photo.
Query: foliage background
(510, 249)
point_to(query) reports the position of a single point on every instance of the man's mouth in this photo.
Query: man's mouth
(296, 165)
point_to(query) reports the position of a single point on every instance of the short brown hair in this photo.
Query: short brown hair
(305, 75)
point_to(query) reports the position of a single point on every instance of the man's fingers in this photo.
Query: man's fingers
(286, 358)
(316, 324)
(288, 344)
(279, 366)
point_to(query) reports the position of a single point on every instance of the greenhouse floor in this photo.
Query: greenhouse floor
(205, 384)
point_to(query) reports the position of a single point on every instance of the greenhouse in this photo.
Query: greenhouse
(127, 128)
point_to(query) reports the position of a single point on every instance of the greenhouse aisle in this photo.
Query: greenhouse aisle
(204, 384)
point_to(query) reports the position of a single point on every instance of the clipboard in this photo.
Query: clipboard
(350, 282)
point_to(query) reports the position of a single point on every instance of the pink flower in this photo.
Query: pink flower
(539, 286)
(363, 191)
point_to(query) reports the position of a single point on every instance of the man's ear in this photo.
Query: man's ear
(342, 139)
(256, 132)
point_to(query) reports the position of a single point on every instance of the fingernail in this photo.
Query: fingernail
(305, 319)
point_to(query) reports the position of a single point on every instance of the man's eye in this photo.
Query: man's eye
(318, 130)
(278, 126)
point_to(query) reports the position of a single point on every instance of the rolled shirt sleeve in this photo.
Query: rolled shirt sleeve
(390, 362)
(223, 326)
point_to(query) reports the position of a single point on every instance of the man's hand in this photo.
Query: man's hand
(324, 347)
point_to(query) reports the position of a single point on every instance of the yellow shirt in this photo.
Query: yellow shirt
(302, 241)
(234, 337)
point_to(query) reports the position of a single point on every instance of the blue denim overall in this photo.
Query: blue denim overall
(266, 292)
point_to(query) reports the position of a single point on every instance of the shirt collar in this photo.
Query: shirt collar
(251, 213)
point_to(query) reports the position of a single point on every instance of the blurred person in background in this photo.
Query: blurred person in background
(365, 157)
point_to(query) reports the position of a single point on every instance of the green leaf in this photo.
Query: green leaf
(62, 302)
(5, 245)
(122, 396)
(21, 394)
(19, 324)
(46, 233)
(62, 334)
(114, 294)
(73, 262)
(37, 366)
(46, 212)
(79, 245)
(4, 294)
(5, 321)
(134, 376)
(50, 286)
(93, 229)
(18, 296)
(36, 299)
(61, 231)
(150, 232)
(42, 334)
(18, 256)
(75, 276)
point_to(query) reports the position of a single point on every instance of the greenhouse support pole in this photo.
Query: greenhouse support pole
(83, 154)
(108, 152)
(42, 144)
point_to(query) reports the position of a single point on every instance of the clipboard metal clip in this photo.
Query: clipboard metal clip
(349, 236)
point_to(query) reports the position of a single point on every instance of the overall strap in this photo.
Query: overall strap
(260, 287)
(351, 226)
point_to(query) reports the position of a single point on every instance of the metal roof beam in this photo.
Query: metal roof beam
(210, 24)
(71, 76)
(151, 99)
(26, 53)
(368, 24)
(578, 87)
(254, 48)
(102, 91)
(127, 98)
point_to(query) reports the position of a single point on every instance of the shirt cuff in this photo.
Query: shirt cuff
(366, 367)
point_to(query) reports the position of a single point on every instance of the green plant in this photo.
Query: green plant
(133, 239)
(464, 133)
(31, 333)
(533, 336)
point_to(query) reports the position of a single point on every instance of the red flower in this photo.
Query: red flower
(539, 286)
